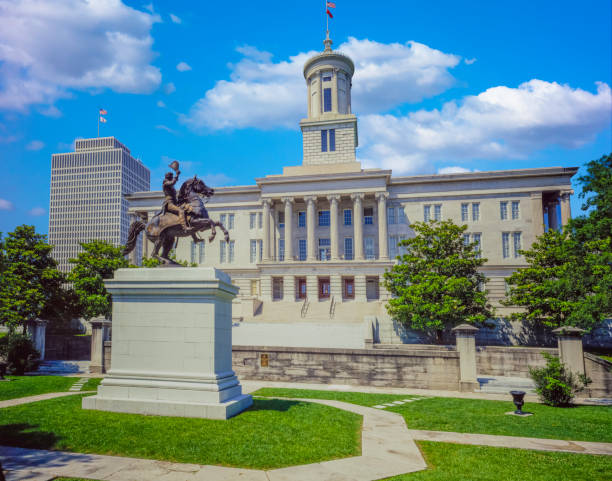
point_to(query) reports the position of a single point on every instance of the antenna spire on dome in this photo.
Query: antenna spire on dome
(327, 42)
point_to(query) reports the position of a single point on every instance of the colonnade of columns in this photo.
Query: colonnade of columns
(563, 199)
(334, 227)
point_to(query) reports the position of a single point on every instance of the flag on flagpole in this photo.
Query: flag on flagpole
(329, 13)
(102, 119)
(103, 112)
(331, 5)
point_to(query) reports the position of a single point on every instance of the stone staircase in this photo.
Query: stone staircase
(503, 385)
(63, 368)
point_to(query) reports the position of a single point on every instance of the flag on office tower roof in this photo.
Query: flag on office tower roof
(103, 112)
(331, 5)
(329, 13)
(102, 119)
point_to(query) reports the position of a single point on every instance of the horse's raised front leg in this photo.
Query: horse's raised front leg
(196, 239)
(213, 232)
(225, 232)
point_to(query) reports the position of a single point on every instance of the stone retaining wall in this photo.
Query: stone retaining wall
(600, 372)
(424, 369)
(510, 361)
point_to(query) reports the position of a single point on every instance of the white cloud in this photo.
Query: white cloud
(169, 88)
(183, 67)
(35, 145)
(166, 128)
(469, 61)
(6, 205)
(501, 122)
(37, 211)
(218, 180)
(265, 94)
(161, 104)
(48, 49)
(51, 111)
(149, 7)
(174, 18)
(453, 169)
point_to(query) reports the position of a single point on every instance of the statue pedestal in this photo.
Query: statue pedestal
(172, 345)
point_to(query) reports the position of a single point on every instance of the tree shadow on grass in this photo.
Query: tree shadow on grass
(26, 436)
(273, 405)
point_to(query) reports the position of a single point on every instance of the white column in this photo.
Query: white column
(566, 210)
(537, 213)
(383, 234)
(553, 222)
(288, 228)
(266, 229)
(288, 287)
(311, 248)
(333, 230)
(358, 225)
(134, 253)
(335, 91)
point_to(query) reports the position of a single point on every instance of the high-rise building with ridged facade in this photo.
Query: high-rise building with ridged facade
(87, 195)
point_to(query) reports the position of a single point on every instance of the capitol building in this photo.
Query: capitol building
(308, 248)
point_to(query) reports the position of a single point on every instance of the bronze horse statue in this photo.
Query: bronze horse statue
(164, 227)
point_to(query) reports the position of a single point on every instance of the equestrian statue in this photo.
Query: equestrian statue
(180, 216)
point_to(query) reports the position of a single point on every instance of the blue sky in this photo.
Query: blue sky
(440, 86)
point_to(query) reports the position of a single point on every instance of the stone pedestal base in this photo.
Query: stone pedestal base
(172, 345)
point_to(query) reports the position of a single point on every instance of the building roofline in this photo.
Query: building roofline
(486, 175)
(283, 179)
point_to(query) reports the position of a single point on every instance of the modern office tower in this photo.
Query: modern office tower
(87, 195)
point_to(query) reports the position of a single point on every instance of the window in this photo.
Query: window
(515, 209)
(503, 210)
(394, 248)
(253, 251)
(348, 217)
(475, 211)
(260, 249)
(302, 249)
(281, 220)
(391, 215)
(368, 216)
(281, 249)
(277, 288)
(327, 100)
(505, 245)
(348, 248)
(222, 252)
(477, 247)
(301, 218)
(426, 213)
(323, 140)
(466, 239)
(517, 243)
(259, 220)
(230, 221)
(438, 212)
(401, 215)
(464, 212)
(223, 218)
(252, 220)
(349, 288)
(369, 247)
(232, 245)
(323, 218)
(193, 252)
(327, 77)
(332, 140)
(324, 249)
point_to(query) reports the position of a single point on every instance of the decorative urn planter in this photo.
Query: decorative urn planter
(517, 398)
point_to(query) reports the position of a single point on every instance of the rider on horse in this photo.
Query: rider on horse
(171, 203)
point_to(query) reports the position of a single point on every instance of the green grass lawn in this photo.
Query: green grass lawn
(22, 386)
(581, 423)
(363, 399)
(456, 462)
(92, 384)
(271, 434)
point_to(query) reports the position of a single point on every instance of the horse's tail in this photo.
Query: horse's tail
(136, 228)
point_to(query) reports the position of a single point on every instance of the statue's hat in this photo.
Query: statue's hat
(174, 165)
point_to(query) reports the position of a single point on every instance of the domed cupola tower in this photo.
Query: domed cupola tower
(329, 134)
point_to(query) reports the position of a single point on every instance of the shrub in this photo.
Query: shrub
(19, 353)
(555, 384)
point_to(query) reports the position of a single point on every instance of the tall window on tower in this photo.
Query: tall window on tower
(332, 140)
(327, 100)
(323, 140)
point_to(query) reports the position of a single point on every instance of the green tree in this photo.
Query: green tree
(564, 283)
(30, 283)
(436, 284)
(98, 261)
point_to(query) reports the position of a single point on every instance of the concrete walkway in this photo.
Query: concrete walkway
(386, 445)
(39, 397)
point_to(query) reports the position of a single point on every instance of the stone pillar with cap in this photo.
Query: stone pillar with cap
(383, 230)
(537, 213)
(466, 346)
(100, 330)
(566, 210)
(569, 340)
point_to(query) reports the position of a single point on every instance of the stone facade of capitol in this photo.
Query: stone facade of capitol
(309, 247)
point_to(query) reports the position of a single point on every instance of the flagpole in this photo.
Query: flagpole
(326, 19)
